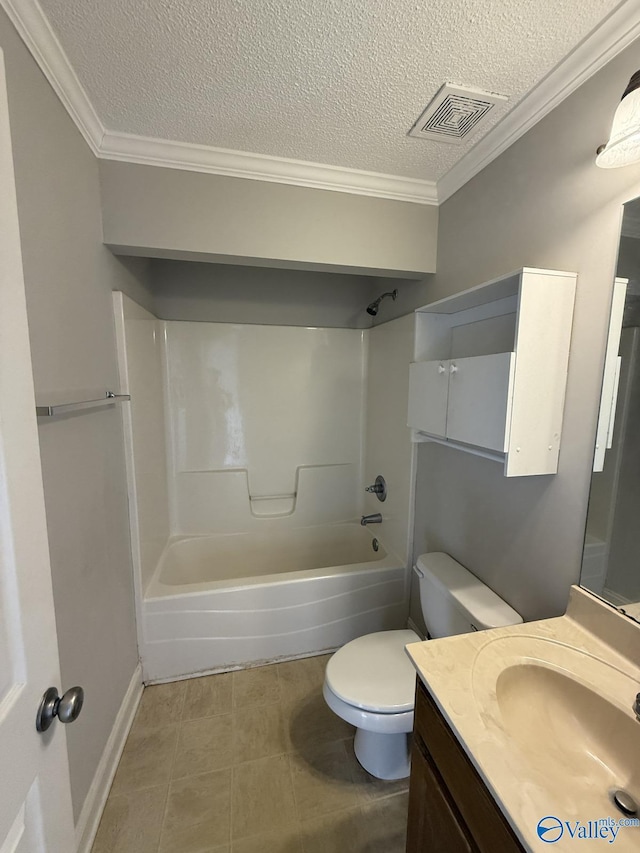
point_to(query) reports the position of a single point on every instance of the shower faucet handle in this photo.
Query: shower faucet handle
(379, 488)
(376, 488)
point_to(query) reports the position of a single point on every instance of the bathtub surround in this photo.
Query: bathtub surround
(138, 339)
(388, 448)
(259, 486)
(264, 422)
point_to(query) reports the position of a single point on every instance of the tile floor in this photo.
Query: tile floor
(247, 762)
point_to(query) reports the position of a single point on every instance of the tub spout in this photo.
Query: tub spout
(376, 518)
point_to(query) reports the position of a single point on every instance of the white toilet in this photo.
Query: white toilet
(370, 681)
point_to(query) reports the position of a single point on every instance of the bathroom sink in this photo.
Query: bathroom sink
(568, 714)
(547, 712)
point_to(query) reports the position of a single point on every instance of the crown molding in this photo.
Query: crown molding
(616, 32)
(262, 167)
(35, 30)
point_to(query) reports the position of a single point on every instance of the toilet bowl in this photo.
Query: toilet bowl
(370, 681)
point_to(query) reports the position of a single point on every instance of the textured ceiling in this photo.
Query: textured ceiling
(330, 81)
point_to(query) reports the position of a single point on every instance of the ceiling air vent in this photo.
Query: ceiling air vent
(454, 114)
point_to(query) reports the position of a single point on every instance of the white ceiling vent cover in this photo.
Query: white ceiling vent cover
(454, 114)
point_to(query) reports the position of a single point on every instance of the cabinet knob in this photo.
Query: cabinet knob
(442, 368)
(453, 368)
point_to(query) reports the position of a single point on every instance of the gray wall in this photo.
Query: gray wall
(69, 276)
(224, 293)
(542, 203)
(171, 213)
(135, 275)
(411, 295)
(220, 293)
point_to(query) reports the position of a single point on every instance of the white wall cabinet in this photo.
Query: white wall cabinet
(490, 369)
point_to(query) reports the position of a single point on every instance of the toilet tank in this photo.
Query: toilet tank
(454, 601)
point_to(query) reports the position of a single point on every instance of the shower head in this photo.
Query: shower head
(373, 307)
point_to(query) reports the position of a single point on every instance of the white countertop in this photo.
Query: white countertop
(528, 784)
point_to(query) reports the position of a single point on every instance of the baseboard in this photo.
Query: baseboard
(96, 799)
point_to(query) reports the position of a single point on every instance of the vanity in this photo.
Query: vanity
(450, 807)
(526, 733)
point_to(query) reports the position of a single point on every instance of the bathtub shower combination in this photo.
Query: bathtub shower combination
(245, 478)
(226, 600)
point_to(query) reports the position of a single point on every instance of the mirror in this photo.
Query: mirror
(611, 556)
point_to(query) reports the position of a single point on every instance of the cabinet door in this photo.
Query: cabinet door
(433, 825)
(479, 404)
(428, 392)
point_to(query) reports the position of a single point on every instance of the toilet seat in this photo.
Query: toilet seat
(370, 721)
(372, 674)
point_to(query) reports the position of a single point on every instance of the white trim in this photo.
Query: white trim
(261, 167)
(96, 799)
(35, 30)
(616, 32)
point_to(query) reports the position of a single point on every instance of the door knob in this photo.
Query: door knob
(66, 707)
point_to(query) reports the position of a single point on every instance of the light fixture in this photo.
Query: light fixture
(623, 147)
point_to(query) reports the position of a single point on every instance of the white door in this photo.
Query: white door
(35, 799)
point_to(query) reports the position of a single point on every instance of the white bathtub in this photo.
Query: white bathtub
(227, 601)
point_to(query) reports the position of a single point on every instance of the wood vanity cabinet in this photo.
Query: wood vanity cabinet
(450, 808)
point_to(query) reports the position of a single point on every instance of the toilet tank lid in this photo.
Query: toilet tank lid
(484, 608)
